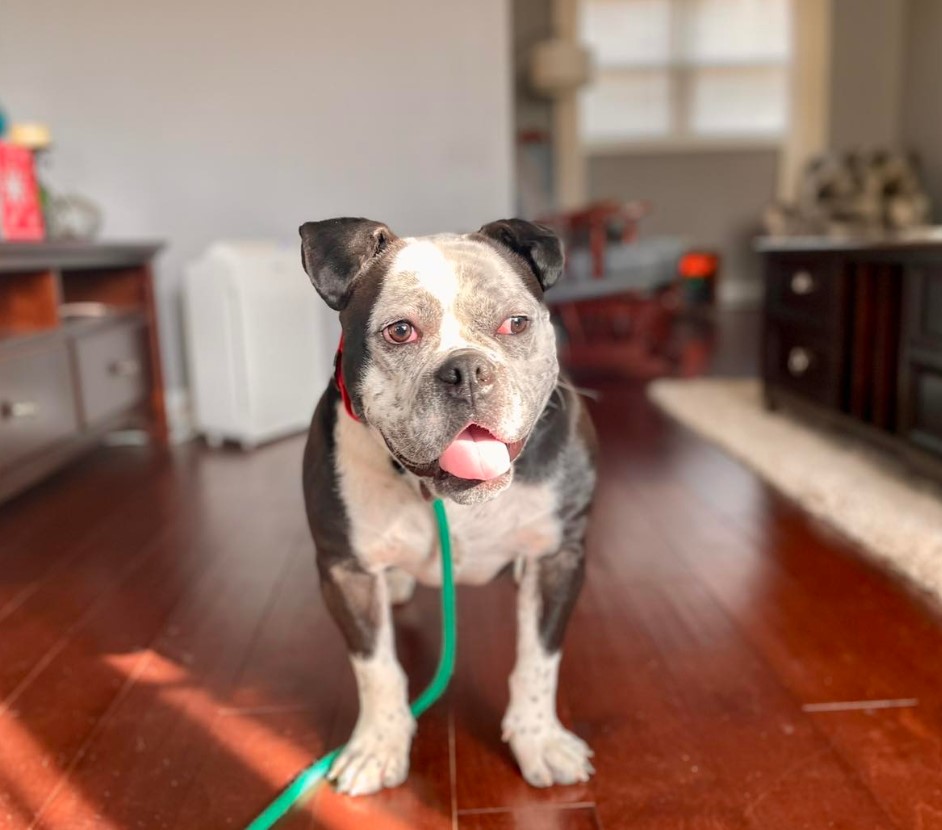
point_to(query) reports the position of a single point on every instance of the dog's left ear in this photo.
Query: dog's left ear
(335, 251)
(536, 244)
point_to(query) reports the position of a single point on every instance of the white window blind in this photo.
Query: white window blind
(685, 70)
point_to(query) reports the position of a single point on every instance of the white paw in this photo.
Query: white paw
(549, 754)
(400, 585)
(376, 757)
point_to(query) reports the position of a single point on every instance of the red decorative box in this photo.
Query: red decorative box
(21, 216)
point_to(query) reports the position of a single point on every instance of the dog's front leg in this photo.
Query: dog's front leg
(377, 754)
(545, 750)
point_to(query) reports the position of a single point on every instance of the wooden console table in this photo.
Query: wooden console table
(79, 353)
(853, 332)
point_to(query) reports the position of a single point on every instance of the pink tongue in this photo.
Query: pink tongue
(475, 454)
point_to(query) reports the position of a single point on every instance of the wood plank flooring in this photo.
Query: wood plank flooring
(166, 660)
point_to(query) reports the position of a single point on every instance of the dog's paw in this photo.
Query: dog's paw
(376, 757)
(400, 585)
(550, 754)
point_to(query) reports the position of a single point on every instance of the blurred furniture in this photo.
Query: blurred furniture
(620, 293)
(259, 342)
(79, 354)
(595, 225)
(853, 333)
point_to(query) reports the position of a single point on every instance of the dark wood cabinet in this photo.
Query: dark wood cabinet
(803, 362)
(805, 291)
(37, 405)
(921, 386)
(79, 353)
(853, 333)
(111, 370)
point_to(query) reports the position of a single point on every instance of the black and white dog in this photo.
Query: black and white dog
(447, 385)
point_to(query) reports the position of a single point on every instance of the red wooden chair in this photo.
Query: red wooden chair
(628, 332)
(596, 225)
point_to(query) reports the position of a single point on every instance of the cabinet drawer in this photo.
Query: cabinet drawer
(111, 370)
(924, 306)
(925, 422)
(806, 289)
(798, 359)
(37, 403)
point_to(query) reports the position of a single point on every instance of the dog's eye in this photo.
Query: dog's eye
(514, 325)
(400, 332)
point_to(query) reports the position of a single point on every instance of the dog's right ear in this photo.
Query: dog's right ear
(335, 251)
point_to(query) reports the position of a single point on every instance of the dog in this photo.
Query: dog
(446, 386)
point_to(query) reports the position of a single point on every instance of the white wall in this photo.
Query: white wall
(190, 120)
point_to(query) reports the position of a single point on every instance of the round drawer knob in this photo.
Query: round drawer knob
(799, 361)
(802, 283)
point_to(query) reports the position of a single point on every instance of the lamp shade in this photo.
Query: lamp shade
(559, 66)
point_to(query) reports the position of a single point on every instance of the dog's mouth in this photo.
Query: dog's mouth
(473, 456)
(476, 454)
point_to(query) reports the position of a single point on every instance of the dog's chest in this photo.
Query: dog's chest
(391, 525)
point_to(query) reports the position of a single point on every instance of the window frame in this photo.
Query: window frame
(680, 72)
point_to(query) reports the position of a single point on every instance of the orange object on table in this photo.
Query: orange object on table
(698, 265)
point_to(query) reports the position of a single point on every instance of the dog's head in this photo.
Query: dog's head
(449, 352)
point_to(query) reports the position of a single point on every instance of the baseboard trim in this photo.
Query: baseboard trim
(179, 415)
(738, 294)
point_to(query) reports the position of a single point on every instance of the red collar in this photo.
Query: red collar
(341, 385)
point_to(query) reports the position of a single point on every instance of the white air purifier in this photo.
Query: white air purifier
(260, 342)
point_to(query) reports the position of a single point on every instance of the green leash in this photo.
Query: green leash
(446, 666)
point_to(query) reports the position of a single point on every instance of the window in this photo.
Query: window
(685, 71)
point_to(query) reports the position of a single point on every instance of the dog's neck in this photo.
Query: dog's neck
(341, 383)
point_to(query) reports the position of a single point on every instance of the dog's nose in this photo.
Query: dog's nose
(467, 374)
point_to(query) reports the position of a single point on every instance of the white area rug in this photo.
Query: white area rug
(858, 490)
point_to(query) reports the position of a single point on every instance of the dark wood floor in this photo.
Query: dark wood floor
(166, 661)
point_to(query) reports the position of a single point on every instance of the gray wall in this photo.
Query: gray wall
(922, 97)
(710, 198)
(866, 72)
(532, 23)
(191, 121)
